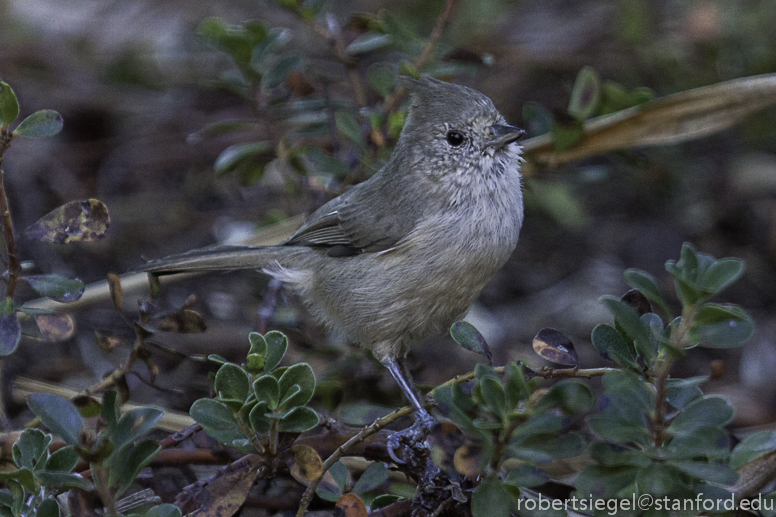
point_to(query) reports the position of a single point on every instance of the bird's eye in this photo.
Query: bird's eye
(454, 138)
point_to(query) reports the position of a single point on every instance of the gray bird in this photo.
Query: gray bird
(402, 256)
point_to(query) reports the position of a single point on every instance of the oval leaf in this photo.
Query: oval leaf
(232, 383)
(554, 346)
(55, 328)
(470, 338)
(299, 420)
(233, 155)
(39, 124)
(84, 221)
(277, 344)
(300, 375)
(56, 287)
(58, 414)
(10, 328)
(9, 104)
(586, 94)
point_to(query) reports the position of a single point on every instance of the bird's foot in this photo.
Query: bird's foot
(413, 438)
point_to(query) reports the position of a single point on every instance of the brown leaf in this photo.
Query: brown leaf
(55, 328)
(467, 460)
(183, 321)
(637, 301)
(84, 221)
(305, 464)
(108, 343)
(351, 505)
(554, 346)
(672, 119)
(225, 495)
(114, 286)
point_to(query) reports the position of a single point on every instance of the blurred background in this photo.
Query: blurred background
(140, 90)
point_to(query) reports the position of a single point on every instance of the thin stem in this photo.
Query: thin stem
(14, 265)
(425, 55)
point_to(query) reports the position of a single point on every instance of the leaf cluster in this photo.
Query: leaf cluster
(258, 401)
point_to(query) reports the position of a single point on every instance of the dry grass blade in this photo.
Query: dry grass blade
(669, 120)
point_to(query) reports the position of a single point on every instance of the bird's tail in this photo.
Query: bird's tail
(225, 258)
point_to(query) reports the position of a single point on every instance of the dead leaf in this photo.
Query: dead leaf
(467, 460)
(351, 505)
(55, 328)
(672, 119)
(305, 464)
(183, 321)
(554, 346)
(108, 343)
(225, 495)
(84, 221)
(114, 286)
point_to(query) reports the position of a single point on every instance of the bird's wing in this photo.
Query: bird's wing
(362, 220)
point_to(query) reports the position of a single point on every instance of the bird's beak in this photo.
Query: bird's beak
(504, 135)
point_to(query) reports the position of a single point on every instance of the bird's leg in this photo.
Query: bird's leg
(415, 434)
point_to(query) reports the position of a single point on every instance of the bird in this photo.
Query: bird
(401, 256)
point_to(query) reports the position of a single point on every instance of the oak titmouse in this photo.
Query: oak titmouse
(402, 255)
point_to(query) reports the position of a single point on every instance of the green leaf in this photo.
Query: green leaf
(349, 127)
(614, 455)
(703, 412)
(566, 134)
(267, 389)
(571, 396)
(40, 124)
(720, 275)
(493, 393)
(237, 154)
(10, 328)
(258, 344)
(62, 460)
(722, 326)
(280, 68)
(603, 482)
(383, 500)
(710, 472)
(540, 424)
(586, 94)
(56, 287)
(466, 335)
(618, 430)
(647, 285)
(630, 322)
(277, 344)
(299, 374)
(110, 410)
(9, 104)
(22, 476)
(130, 460)
(610, 344)
(656, 479)
(706, 442)
(491, 499)
(373, 477)
(447, 405)
(135, 423)
(62, 480)
(368, 42)
(546, 447)
(331, 489)
(59, 415)
(31, 448)
(526, 476)
(232, 383)
(47, 508)
(298, 420)
(516, 386)
(258, 418)
(217, 420)
(164, 510)
(753, 447)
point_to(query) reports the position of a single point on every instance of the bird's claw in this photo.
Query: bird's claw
(414, 436)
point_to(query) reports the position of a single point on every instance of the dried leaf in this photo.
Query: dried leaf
(351, 505)
(184, 321)
(305, 464)
(672, 119)
(85, 221)
(55, 328)
(224, 496)
(108, 343)
(638, 301)
(114, 285)
(554, 346)
(467, 460)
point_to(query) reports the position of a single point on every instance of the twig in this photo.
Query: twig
(422, 60)
(14, 265)
(368, 431)
(550, 373)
